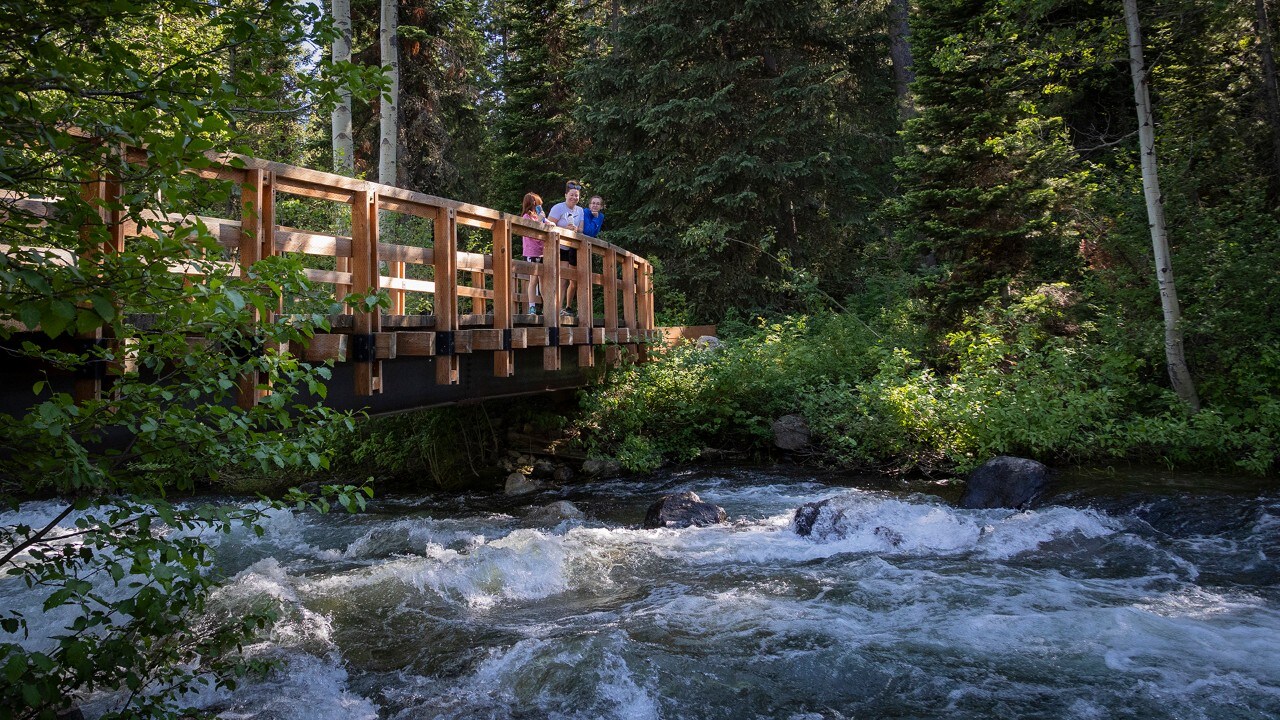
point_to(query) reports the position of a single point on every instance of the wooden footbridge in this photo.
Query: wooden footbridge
(477, 341)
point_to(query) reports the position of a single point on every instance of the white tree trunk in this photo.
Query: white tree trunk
(343, 143)
(389, 40)
(1179, 374)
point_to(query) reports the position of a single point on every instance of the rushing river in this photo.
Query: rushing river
(1123, 597)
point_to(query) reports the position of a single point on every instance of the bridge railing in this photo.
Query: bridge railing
(496, 286)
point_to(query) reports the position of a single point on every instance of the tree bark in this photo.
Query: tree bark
(900, 56)
(1262, 26)
(1179, 373)
(343, 141)
(389, 108)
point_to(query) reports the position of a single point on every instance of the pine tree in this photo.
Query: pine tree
(738, 143)
(537, 147)
(988, 175)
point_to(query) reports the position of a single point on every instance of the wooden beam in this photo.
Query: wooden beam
(415, 344)
(325, 346)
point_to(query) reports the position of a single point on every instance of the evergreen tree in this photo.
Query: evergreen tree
(444, 82)
(741, 144)
(537, 146)
(989, 178)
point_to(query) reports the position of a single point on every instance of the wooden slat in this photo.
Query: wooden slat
(328, 276)
(408, 284)
(405, 253)
(292, 240)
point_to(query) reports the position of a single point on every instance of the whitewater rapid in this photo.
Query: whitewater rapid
(1113, 605)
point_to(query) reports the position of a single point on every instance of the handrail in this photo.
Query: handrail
(498, 286)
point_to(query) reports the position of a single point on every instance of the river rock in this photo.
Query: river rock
(520, 484)
(791, 432)
(806, 515)
(543, 468)
(601, 468)
(562, 474)
(682, 510)
(1005, 482)
(556, 512)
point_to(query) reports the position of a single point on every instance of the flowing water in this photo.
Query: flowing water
(1125, 596)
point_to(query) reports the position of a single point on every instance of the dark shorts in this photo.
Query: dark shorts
(569, 255)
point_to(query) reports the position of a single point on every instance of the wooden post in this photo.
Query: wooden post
(365, 278)
(629, 299)
(100, 194)
(610, 275)
(586, 308)
(645, 302)
(503, 360)
(251, 241)
(478, 304)
(551, 298)
(445, 254)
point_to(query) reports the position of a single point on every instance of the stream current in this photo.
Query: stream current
(1124, 596)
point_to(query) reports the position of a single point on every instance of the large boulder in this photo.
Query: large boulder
(520, 484)
(1005, 482)
(791, 432)
(601, 468)
(682, 510)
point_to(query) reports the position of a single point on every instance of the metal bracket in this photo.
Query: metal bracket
(506, 339)
(445, 342)
(553, 337)
(364, 347)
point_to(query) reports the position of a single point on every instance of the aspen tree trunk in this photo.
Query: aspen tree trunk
(1179, 374)
(343, 143)
(389, 127)
(900, 56)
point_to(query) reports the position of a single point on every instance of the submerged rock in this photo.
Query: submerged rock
(791, 432)
(556, 512)
(1005, 482)
(683, 510)
(806, 515)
